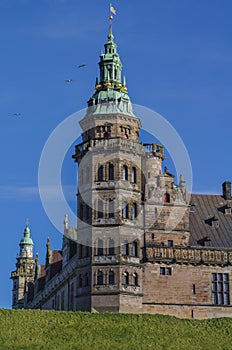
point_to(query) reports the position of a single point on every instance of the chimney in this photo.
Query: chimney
(226, 190)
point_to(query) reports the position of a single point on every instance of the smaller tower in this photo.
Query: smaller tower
(24, 273)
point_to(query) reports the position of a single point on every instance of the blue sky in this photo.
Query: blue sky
(177, 57)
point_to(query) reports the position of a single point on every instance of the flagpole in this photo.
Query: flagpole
(111, 20)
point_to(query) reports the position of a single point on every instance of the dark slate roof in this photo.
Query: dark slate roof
(42, 271)
(56, 262)
(56, 256)
(41, 278)
(208, 221)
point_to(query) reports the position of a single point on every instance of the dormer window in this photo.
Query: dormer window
(215, 222)
(192, 208)
(227, 210)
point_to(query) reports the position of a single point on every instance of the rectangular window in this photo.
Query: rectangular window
(165, 271)
(111, 209)
(100, 209)
(170, 243)
(58, 303)
(220, 289)
(71, 297)
(62, 300)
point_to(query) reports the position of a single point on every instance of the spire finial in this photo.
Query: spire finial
(27, 222)
(112, 11)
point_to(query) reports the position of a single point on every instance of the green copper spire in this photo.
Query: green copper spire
(110, 63)
(26, 240)
(110, 94)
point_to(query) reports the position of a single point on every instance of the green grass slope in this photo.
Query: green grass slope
(35, 329)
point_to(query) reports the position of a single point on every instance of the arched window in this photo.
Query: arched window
(111, 209)
(81, 211)
(84, 251)
(86, 279)
(125, 172)
(133, 175)
(100, 247)
(134, 211)
(125, 248)
(81, 251)
(135, 279)
(134, 248)
(87, 175)
(95, 247)
(81, 178)
(125, 278)
(100, 209)
(111, 172)
(111, 247)
(87, 212)
(100, 278)
(80, 281)
(156, 214)
(166, 198)
(125, 210)
(100, 173)
(111, 277)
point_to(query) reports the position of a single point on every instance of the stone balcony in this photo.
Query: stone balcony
(106, 288)
(130, 289)
(114, 185)
(105, 259)
(118, 144)
(130, 259)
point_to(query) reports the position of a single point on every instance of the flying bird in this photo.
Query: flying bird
(81, 65)
(17, 114)
(69, 80)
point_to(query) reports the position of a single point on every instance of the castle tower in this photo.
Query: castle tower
(116, 177)
(24, 273)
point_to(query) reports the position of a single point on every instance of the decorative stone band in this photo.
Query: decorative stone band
(183, 255)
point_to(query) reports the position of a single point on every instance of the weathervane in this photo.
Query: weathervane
(112, 11)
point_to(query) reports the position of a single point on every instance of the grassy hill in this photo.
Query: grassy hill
(48, 330)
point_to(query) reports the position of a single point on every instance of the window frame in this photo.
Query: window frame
(220, 288)
(100, 278)
(125, 172)
(133, 175)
